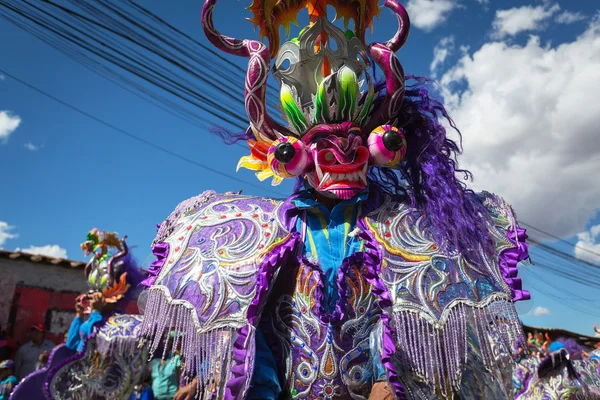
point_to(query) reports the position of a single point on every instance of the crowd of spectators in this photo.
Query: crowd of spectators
(541, 344)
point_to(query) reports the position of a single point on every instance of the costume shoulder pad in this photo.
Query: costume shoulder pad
(209, 251)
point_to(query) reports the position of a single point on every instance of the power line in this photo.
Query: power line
(562, 254)
(126, 38)
(137, 138)
(558, 238)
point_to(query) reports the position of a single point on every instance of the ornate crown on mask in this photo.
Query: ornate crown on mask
(338, 124)
(105, 272)
(308, 96)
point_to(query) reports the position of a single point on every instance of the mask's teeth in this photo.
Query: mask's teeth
(363, 174)
(319, 172)
(326, 178)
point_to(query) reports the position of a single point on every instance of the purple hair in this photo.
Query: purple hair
(230, 137)
(428, 174)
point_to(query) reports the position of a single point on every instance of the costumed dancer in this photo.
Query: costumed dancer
(100, 358)
(106, 274)
(383, 276)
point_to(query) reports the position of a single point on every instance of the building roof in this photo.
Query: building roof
(37, 258)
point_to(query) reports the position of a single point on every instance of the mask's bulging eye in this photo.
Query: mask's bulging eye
(288, 157)
(285, 152)
(392, 140)
(387, 146)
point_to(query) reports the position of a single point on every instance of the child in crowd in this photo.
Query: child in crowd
(7, 379)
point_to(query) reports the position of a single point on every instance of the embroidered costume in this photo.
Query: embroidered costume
(381, 268)
(101, 358)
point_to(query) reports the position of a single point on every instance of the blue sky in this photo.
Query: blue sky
(64, 173)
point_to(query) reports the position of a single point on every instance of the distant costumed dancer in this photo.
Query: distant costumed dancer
(101, 358)
(382, 276)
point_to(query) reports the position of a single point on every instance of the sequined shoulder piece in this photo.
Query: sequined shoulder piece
(120, 333)
(503, 217)
(207, 281)
(439, 296)
(420, 276)
(213, 247)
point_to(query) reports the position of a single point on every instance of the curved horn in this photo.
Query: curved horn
(109, 268)
(396, 43)
(384, 57)
(256, 78)
(596, 329)
(394, 83)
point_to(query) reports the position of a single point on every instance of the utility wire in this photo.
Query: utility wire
(137, 138)
(126, 38)
(558, 238)
(562, 254)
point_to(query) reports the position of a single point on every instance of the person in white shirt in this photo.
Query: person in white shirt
(28, 355)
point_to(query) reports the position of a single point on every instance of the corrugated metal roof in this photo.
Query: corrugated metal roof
(37, 258)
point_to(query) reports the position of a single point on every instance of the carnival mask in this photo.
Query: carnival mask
(105, 271)
(339, 124)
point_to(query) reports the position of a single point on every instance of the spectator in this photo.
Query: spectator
(7, 379)
(553, 343)
(29, 354)
(165, 376)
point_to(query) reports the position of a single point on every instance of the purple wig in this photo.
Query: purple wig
(428, 174)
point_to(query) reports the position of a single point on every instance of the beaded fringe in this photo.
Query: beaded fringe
(207, 356)
(438, 354)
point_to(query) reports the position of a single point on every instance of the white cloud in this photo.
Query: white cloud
(540, 311)
(5, 233)
(588, 245)
(8, 123)
(441, 51)
(31, 147)
(569, 17)
(521, 19)
(428, 14)
(529, 116)
(50, 250)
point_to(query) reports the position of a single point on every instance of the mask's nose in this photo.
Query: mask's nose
(341, 150)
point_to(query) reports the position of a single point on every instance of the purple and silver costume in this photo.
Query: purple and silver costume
(414, 288)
